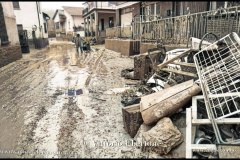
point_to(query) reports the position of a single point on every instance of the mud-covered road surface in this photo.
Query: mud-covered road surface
(38, 119)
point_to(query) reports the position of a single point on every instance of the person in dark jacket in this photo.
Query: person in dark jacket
(79, 43)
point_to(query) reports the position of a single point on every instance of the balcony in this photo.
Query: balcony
(98, 5)
(85, 11)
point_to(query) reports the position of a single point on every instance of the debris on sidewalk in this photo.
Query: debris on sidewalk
(117, 90)
(162, 137)
(217, 128)
(167, 102)
(132, 119)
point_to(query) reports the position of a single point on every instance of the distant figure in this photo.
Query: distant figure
(79, 43)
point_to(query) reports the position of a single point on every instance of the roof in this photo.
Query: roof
(60, 13)
(45, 15)
(73, 11)
(49, 12)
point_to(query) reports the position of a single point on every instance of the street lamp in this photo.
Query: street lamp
(34, 28)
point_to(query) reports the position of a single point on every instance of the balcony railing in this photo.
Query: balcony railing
(99, 5)
(119, 32)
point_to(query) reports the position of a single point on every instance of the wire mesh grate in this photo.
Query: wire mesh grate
(218, 69)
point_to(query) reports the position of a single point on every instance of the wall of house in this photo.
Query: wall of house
(10, 22)
(126, 19)
(194, 7)
(11, 52)
(136, 9)
(78, 20)
(164, 7)
(69, 22)
(106, 16)
(27, 16)
(62, 27)
(51, 28)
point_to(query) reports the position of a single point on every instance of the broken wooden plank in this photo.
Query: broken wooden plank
(185, 64)
(132, 119)
(180, 72)
(185, 53)
(189, 138)
(218, 121)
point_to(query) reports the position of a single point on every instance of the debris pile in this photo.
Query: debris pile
(218, 70)
(170, 84)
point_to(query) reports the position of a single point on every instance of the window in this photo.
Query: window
(158, 9)
(19, 27)
(102, 24)
(45, 27)
(57, 25)
(169, 12)
(16, 5)
(111, 23)
(152, 9)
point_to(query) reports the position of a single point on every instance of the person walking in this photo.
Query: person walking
(79, 43)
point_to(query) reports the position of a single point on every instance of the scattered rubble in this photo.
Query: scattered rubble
(162, 137)
(169, 84)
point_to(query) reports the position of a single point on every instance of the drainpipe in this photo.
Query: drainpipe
(38, 18)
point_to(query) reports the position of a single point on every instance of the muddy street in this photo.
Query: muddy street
(41, 118)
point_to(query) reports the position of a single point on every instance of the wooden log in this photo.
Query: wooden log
(132, 119)
(167, 102)
(180, 72)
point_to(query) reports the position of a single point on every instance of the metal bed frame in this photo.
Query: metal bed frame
(219, 74)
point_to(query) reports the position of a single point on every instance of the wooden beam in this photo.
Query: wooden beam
(188, 133)
(205, 147)
(185, 64)
(180, 72)
(162, 65)
(219, 121)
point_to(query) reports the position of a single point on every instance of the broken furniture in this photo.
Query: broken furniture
(143, 64)
(192, 122)
(174, 64)
(167, 102)
(218, 70)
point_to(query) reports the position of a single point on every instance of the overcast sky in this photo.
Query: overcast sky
(58, 5)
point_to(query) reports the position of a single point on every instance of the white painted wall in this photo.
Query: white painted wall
(10, 21)
(126, 19)
(78, 20)
(72, 20)
(69, 22)
(27, 16)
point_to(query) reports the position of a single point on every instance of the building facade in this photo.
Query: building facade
(98, 16)
(74, 19)
(10, 49)
(29, 17)
(59, 20)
